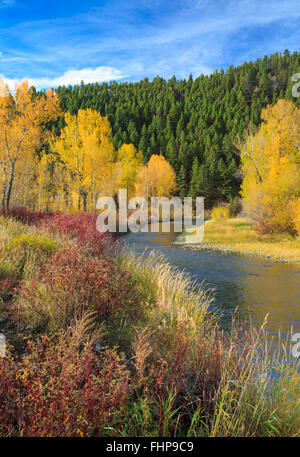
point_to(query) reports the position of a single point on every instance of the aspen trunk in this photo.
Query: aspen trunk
(10, 183)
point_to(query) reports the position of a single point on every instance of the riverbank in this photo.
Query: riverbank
(101, 343)
(237, 235)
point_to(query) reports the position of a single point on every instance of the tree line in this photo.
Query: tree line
(63, 149)
(67, 169)
(193, 123)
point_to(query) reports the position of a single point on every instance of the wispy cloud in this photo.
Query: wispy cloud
(3, 58)
(147, 37)
(88, 75)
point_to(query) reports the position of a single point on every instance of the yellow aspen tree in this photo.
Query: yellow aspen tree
(23, 117)
(295, 212)
(157, 179)
(271, 166)
(86, 150)
(130, 161)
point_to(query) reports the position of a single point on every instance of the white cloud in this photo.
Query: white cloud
(88, 75)
(181, 36)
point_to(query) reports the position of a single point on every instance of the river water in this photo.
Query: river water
(252, 285)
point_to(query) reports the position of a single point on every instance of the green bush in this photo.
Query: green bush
(220, 212)
(34, 242)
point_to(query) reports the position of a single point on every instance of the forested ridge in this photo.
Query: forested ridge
(194, 123)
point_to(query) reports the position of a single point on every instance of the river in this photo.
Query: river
(252, 285)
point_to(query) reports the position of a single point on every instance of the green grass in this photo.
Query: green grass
(37, 243)
(238, 235)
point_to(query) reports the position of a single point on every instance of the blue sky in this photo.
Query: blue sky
(66, 41)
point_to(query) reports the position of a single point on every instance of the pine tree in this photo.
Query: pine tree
(208, 112)
(194, 186)
(181, 182)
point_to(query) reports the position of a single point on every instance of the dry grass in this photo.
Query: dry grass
(175, 295)
(238, 235)
(141, 351)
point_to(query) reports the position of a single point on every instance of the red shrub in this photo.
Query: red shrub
(26, 216)
(71, 282)
(9, 277)
(81, 226)
(7, 287)
(55, 390)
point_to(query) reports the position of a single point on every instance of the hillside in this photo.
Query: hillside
(193, 123)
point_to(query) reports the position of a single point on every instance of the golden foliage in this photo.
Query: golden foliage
(271, 167)
(86, 150)
(295, 213)
(82, 163)
(220, 212)
(129, 164)
(157, 179)
(22, 118)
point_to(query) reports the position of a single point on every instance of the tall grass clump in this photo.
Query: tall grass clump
(176, 351)
(264, 400)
